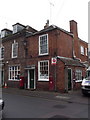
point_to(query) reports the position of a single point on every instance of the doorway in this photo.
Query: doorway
(69, 79)
(31, 79)
(2, 77)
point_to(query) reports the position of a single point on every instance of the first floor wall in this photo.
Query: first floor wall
(41, 74)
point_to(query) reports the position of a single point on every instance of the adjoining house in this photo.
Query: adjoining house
(51, 59)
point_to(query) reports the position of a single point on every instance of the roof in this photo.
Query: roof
(50, 28)
(83, 41)
(71, 62)
(5, 29)
(19, 24)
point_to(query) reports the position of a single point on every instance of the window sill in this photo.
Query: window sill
(78, 81)
(43, 55)
(1, 58)
(43, 80)
(14, 80)
(14, 57)
(82, 54)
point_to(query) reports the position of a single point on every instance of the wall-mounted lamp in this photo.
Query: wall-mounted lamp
(24, 42)
(6, 62)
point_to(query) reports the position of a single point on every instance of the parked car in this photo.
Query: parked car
(86, 83)
(86, 86)
(1, 104)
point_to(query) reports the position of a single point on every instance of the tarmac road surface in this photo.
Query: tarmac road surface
(21, 106)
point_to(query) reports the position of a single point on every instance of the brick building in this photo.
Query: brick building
(50, 59)
(89, 51)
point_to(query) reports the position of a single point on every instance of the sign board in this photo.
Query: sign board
(54, 61)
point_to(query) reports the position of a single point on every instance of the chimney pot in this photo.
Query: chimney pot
(47, 24)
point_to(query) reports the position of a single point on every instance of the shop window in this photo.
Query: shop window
(14, 72)
(43, 70)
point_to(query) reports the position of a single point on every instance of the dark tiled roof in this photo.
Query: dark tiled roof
(71, 62)
(52, 27)
(83, 41)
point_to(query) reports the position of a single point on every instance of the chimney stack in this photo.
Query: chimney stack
(74, 31)
(73, 27)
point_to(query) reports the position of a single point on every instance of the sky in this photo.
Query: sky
(36, 12)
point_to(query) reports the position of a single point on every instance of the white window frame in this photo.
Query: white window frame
(47, 45)
(1, 52)
(77, 73)
(82, 50)
(14, 29)
(86, 50)
(2, 33)
(44, 79)
(12, 71)
(15, 51)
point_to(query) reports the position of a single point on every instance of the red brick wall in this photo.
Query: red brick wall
(60, 44)
(74, 30)
(77, 42)
(9, 61)
(60, 76)
(85, 45)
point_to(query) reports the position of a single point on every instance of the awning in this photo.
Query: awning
(71, 62)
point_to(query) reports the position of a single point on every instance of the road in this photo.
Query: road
(20, 106)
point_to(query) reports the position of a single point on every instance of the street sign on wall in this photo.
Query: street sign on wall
(54, 61)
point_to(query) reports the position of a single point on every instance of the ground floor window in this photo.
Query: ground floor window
(43, 70)
(78, 74)
(14, 72)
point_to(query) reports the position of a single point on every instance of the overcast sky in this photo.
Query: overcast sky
(36, 12)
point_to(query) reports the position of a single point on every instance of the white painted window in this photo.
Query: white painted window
(43, 70)
(14, 73)
(43, 44)
(78, 74)
(1, 52)
(2, 34)
(86, 50)
(82, 50)
(14, 49)
(15, 29)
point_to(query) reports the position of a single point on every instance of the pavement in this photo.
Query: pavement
(74, 96)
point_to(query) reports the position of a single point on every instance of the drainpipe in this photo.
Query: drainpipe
(56, 73)
(66, 79)
(73, 53)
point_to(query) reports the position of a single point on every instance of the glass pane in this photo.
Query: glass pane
(44, 70)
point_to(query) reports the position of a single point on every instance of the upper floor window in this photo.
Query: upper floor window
(14, 49)
(5, 32)
(2, 33)
(18, 27)
(86, 50)
(1, 52)
(43, 44)
(82, 50)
